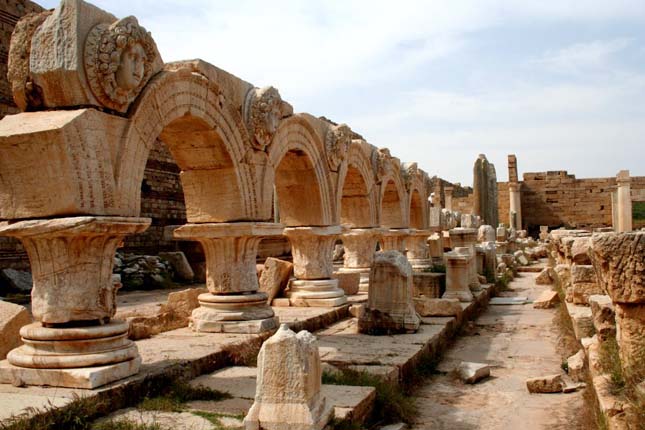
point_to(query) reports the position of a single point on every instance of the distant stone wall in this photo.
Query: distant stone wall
(463, 204)
(503, 202)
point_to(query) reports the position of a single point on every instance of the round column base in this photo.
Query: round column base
(316, 293)
(234, 313)
(462, 296)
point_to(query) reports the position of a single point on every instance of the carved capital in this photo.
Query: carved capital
(337, 143)
(263, 110)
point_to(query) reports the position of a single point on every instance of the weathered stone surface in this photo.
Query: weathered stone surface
(582, 273)
(521, 258)
(275, 277)
(486, 233)
(576, 366)
(546, 300)
(604, 318)
(471, 373)
(390, 308)
(545, 384)
(619, 260)
(144, 272)
(580, 250)
(427, 284)
(458, 275)
(432, 307)
(485, 190)
(562, 276)
(630, 322)
(12, 319)
(544, 278)
(15, 281)
(288, 385)
(180, 264)
(348, 282)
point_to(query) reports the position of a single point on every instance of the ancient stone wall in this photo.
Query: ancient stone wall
(503, 202)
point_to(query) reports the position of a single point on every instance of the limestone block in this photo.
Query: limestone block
(179, 262)
(604, 318)
(275, 277)
(546, 300)
(545, 384)
(288, 392)
(431, 307)
(348, 282)
(579, 250)
(427, 284)
(521, 258)
(390, 308)
(544, 278)
(457, 275)
(582, 273)
(501, 233)
(630, 334)
(576, 366)
(471, 373)
(12, 319)
(562, 276)
(486, 233)
(619, 260)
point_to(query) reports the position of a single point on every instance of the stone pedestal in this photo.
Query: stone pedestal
(390, 308)
(458, 275)
(360, 246)
(233, 303)
(287, 393)
(393, 239)
(418, 253)
(312, 250)
(467, 238)
(544, 233)
(435, 247)
(73, 343)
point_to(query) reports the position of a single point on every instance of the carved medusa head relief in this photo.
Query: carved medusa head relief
(118, 61)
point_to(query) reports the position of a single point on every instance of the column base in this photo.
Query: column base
(462, 296)
(364, 283)
(316, 293)
(233, 313)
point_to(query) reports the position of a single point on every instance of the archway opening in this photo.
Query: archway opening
(391, 215)
(355, 204)
(416, 211)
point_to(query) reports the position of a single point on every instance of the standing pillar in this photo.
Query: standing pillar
(73, 342)
(233, 303)
(418, 250)
(457, 275)
(360, 246)
(515, 199)
(467, 238)
(448, 197)
(312, 249)
(624, 201)
(393, 239)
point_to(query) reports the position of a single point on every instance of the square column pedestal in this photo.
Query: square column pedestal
(312, 249)
(393, 239)
(233, 303)
(418, 250)
(457, 274)
(73, 342)
(360, 247)
(467, 238)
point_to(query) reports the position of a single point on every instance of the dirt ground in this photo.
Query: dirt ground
(518, 342)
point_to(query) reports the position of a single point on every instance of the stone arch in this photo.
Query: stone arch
(417, 210)
(357, 191)
(205, 136)
(393, 201)
(301, 174)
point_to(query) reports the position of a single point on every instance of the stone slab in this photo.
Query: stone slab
(509, 301)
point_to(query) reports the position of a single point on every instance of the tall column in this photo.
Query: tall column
(418, 250)
(457, 275)
(624, 201)
(448, 197)
(73, 342)
(233, 303)
(393, 239)
(515, 202)
(312, 249)
(360, 246)
(467, 238)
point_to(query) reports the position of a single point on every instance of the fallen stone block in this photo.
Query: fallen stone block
(12, 318)
(180, 264)
(275, 277)
(521, 258)
(544, 278)
(357, 310)
(281, 302)
(430, 307)
(348, 282)
(603, 315)
(471, 373)
(545, 384)
(576, 366)
(546, 300)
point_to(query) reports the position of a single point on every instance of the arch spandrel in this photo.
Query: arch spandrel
(358, 160)
(301, 136)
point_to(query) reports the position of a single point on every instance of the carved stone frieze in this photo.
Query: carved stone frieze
(337, 143)
(263, 110)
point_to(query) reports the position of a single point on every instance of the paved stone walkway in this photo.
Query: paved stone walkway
(519, 342)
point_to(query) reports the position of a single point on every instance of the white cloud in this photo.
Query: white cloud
(581, 57)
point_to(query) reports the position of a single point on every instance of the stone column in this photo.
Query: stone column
(515, 201)
(393, 239)
(619, 262)
(73, 343)
(457, 275)
(418, 251)
(360, 246)
(287, 391)
(312, 249)
(467, 237)
(624, 201)
(233, 303)
(448, 197)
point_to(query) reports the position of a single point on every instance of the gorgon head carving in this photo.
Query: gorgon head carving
(337, 143)
(263, 110)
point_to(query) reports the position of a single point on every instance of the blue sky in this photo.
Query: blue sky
(559, 83)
